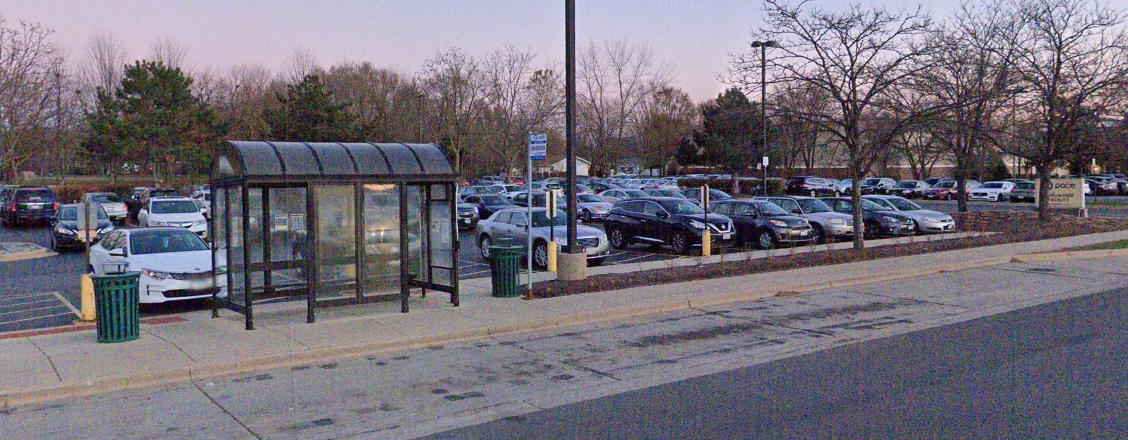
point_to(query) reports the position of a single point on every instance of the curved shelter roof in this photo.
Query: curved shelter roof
(312, 160)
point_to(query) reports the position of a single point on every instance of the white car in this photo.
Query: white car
(175, 264)
(203, 201)
(114, 206)
(996, 191)
(180, 212)
(509, 189)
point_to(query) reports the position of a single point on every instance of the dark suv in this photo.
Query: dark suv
(664, 220)
(810, 186)
(29, 205)
(765, 224)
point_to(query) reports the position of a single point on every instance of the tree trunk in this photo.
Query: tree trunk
(859, 224)
(1044, 192)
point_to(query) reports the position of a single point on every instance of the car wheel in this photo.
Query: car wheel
(948, 197)
(820, 235)
(766, 239)
(540, 254)
(680, 243)
(837, 193)
(812, 193)
(595, 262)
(618, 241)
(484, 247)
(587, 216)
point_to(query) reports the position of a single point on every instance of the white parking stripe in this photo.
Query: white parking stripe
(37, 318)
(25, 295)
(68, 304)
(30, 310)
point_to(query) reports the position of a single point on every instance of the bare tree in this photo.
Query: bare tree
(520, 98)
(798, 137)
(30, 71)
(301, 63)
(169, 52)
(668, 118)
(856, 56)
(454, 83)
(614, 81)
(1073, 58)
(971, 77)
(103, 65)
(385, 101)
(249, 91)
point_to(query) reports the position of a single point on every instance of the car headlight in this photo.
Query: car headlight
(696, 224)
(63, 230)
(778, 223)
(889, 219)
(156, 274)
(928, 220)
(199, 222)
(836, 221)
(105, 230)
(221, 270)
(156, 223)
(603, 238)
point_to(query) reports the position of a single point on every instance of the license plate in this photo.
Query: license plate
(466, 220)
(35, 205)
(802, 233)
(726, 236)
(87, 235)
(201, 284)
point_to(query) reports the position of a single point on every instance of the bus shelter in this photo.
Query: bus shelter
(331, 223)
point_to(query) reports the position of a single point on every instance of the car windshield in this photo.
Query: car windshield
(490, 190)
(787, 205)
(70, 213)
(588, 198)
(541, 220)
(162, 193)
(904, 205)
(906, 184)
(992, 185)
(495, 200)
(38, 195)
(174, 207)
(681, 207)
(947, 184)
(164, 241)
(771, 209)
(813, 205)
(870, 181)
(635, 193)
(106, 198)
(1024, 185)
(871, 206)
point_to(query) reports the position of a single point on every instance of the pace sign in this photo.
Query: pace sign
(1064, 193)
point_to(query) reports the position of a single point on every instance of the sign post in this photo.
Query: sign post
(706, 236)
(552, 198)
(764, 166)
(538, 146)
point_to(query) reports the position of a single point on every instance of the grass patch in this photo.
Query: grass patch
(1122, 244)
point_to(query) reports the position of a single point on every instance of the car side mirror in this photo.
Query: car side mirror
(117, 252)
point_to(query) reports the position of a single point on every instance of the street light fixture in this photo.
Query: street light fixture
(764, 45)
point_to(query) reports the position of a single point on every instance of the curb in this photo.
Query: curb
(1069, 255)
(192, 373)
(40, 252)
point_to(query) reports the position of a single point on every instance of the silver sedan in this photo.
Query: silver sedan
(926, 221)
(512, 224)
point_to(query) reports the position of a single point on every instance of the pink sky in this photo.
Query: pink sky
(695, 35)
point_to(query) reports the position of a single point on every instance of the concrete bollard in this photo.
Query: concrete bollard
(706, 243)
(86, 290)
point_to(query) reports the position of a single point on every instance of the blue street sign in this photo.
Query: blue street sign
(538, 146)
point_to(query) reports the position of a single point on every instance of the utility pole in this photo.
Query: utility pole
(764, 45)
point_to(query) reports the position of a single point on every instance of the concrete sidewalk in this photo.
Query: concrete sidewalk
(54, 366)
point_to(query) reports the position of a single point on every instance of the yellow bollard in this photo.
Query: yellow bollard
(552, 256)
(706, 243)
(87, 293)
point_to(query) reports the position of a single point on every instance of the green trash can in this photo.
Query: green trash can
(505, 266)
(115, 306)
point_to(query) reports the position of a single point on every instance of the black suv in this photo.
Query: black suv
(28, 205)
(810, 186)
(664, 220)
(765, 223)
(878, 221)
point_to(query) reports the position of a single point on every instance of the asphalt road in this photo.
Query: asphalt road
(1052, 371)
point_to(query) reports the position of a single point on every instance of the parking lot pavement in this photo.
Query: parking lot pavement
(35, 310)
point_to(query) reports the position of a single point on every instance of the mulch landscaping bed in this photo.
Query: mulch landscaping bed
(1009, 227)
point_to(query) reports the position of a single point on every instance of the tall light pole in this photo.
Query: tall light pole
(1014, 121)
(569, 118)
(764, 45)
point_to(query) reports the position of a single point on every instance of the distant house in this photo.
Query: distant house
(560, 166)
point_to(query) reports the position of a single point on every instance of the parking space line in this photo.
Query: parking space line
(68, 304)
(24, 295)
(37, 318)
(24, 303)
(30, 310)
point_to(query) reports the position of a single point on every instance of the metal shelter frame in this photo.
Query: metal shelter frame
(251, 179)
